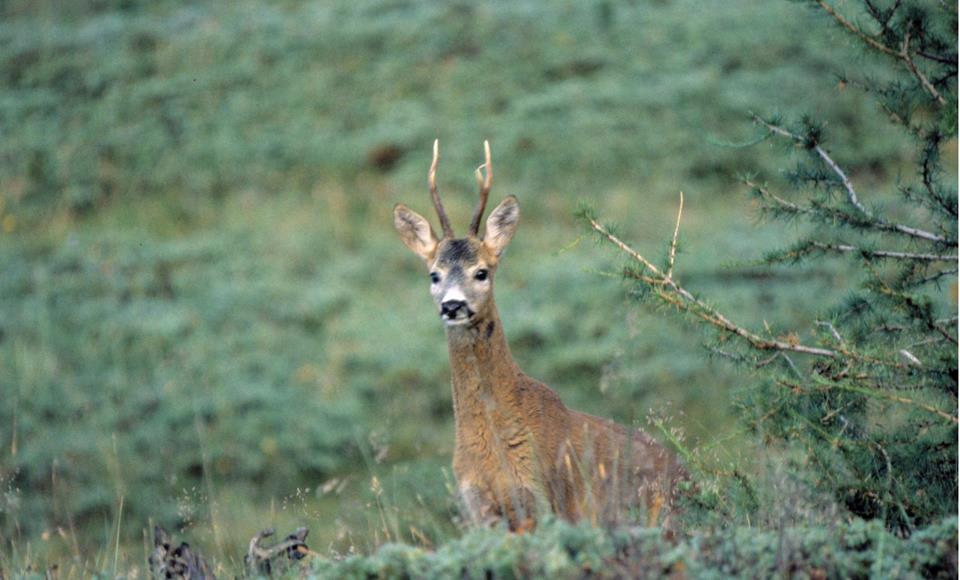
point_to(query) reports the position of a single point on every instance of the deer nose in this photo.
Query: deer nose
(449, 308)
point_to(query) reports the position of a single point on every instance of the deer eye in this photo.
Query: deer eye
(434, 277)
(481, 274)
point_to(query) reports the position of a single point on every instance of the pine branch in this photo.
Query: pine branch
(668, 290)
(916, 310)
(848, 185)
(903, 54)
(822, 212)
(949, 59)
(869, 40)
(874, 393)
(845, 248)
(883, 95)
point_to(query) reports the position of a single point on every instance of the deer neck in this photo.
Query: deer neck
(483, 370)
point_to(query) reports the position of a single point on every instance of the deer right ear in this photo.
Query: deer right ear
(415, 231)
(502, 224)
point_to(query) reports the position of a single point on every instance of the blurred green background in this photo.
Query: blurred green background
(207, 319)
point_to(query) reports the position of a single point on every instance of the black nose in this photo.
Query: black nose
(449, 308)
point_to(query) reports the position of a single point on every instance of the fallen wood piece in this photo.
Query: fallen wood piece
(181, 562)
(266, 560)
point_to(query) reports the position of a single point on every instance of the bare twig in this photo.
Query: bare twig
(848, 186)
(730, 355)
(673, 242)
(938, 57)
(168, 560)
(833, 331)
(844, 248)
(792, 366)
(766, 193)
(910, 357)
(262, 560)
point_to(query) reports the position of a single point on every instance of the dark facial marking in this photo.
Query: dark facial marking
(457, 251)
(490, 326)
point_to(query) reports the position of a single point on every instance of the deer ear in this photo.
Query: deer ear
(502, 224)
(415, 231)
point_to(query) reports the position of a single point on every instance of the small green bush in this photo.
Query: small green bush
(853, 549)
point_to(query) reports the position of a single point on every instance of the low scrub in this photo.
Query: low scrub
(853, 549)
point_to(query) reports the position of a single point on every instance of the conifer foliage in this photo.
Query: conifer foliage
(866, 396)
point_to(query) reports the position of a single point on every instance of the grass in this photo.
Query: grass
(207, 318)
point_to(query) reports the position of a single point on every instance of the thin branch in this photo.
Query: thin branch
(875, 394)
(881, 100)
(910, 357)
(937, 275)
(910, 304)
(825, 211)
(673, 243)
(684, 300)
(851, 192)
(835, 214)
(881, 16)
(833, 331)
(903, 54)
(950, 59)
(672, 293)
(872, 42)
(844, 248)
(848, 186)
(792, 366)
(766, 193)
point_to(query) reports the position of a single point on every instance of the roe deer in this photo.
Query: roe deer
(519, 451)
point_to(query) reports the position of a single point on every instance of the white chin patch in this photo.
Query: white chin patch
(458, 321)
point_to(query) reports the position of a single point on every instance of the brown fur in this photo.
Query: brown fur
(520, 452)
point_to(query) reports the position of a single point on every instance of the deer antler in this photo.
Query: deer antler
(432, 180)
(484, 183)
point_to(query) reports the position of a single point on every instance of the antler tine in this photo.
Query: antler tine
(432, 180)
(483, 182)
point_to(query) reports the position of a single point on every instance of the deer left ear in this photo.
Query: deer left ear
(501, 225)
(415, 231)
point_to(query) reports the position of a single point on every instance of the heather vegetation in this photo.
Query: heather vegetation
(207, 320)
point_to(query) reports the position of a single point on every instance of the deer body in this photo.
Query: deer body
(519, 451)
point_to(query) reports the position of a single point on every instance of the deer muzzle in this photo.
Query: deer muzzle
(455, 310)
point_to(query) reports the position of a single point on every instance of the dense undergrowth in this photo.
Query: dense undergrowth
(855, 549)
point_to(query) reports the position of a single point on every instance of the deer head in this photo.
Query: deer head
(461, 269)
